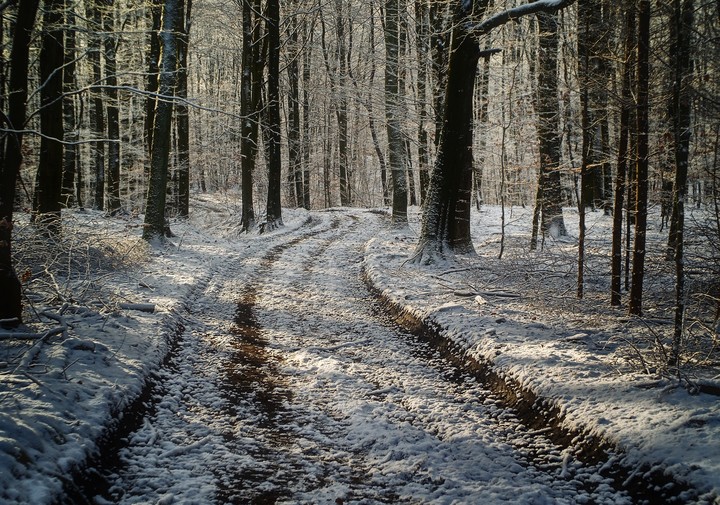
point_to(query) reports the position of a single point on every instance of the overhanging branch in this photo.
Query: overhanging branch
(503, 17)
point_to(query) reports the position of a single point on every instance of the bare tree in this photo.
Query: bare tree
(10, 287)
(155, 227)
(643, 106)
(48, 182)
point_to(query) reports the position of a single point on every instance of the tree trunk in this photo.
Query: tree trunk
(250, 85)
(549, 132)
(622, 165)
(643, 78)
(113, 112)
(307, 55)
(153, 76)
(154, 226)
(683, 18)
(97, 115)
(446, 218)
(10, 287)
(341, 112)
(48, 183)
(70, 162)
(182, 114)
(396, 148)
(274, 209)
(423, 54)
(295, 175)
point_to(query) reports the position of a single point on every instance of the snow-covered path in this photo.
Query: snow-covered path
(289, 385)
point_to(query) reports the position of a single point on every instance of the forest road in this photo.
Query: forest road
(289, 385)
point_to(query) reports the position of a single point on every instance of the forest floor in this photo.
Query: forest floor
(316, 364)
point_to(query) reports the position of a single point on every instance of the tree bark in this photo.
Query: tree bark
(423, 54)
(113, 111)
(643, 79)
(446, 217)
(549, 127)
(96, 110)
(341, 110)
(153, 76)
(274, 209)
(396, 147)
(622, 165)
(48, 182)
(681, 104)
(70, 164)
(10, 287)
(154, 226)
(295, 175)
(182, 116)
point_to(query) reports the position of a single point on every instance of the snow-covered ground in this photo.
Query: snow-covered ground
(285, 382)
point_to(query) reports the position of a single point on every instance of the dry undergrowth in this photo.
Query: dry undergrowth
(71, 267)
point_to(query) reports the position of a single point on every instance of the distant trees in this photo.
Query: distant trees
(371, 103)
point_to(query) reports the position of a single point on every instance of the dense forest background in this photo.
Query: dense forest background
(130, 107)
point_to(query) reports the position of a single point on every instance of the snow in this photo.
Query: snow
(315, 396)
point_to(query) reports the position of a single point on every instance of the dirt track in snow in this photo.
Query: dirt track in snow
(290, 385)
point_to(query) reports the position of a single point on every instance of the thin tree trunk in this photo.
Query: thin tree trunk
(70, 163)
(341, 110)
(113, 113)
(182, 114)
(96, 110)
(48, 183)
(683, 17)
(274, 209)
(249, 104)
(307, 61)
(622, 165)
(643, 78)
(423, 54)
(153, 66)
(295, 176)
(396, 148)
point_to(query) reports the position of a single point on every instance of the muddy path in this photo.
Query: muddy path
(290, 383)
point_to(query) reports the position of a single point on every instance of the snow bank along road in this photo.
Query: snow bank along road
(289, 385)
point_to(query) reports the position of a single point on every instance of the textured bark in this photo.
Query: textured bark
(154, 226)
(113, 112)
(153, 66)
(10, 287)
(549, 132)
(274, 209)
(96, 110)
(396, 147)
(622, 165)
(182, 114)
(48, 182)
(341, 110)
(70, 164)
(681, 104)
(643, 79)
(307, 60)
(250, 85)
(294, 175)
(446, 218)
(423, 54)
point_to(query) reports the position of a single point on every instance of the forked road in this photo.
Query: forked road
(290, 386)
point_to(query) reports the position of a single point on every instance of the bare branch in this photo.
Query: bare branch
(517, 12)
